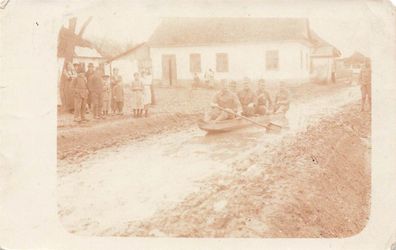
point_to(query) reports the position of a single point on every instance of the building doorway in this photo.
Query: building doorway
(169, 76)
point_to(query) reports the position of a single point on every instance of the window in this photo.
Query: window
(272, 60)
(195, 63)
(221, 62)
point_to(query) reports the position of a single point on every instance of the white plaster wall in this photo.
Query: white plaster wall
(243, 60)
(127, 66)
(321, 68)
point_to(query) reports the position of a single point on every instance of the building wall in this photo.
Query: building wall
(244, 60)
(127, 66)
(322, 67)
(132, 62)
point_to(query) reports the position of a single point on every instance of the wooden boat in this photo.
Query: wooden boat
(233, 124)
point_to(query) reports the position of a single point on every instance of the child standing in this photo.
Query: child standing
(118, 97)
(106, 95)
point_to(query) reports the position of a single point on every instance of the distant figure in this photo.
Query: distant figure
(69, 74)
(115, 79)
(117, 99)
(137, 96)
(282, 102)
(247, 99)
(365, 85)
(264, 102)
(80, 90)
(209, 78)
(106, 95)
(223, 100)
(196, 81)
(147, 82)
(96, 89)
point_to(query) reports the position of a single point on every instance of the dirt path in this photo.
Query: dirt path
(125, 190)
(316, 184)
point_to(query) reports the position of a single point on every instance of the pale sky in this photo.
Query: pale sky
(345, 24)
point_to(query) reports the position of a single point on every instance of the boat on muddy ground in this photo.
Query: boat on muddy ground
(271, 122)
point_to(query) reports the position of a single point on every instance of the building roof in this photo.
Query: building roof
(203, 31)
(356, 58)
(322, 48)
(86, 52)
(127, 52)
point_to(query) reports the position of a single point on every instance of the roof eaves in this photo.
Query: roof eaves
(125, 52)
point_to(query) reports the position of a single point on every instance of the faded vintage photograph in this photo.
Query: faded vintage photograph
(213, 126)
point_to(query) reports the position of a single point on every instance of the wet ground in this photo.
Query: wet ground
(134, 181)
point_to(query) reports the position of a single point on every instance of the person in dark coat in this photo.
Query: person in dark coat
(264, 102)
(80, 90)
(69, 74)
(96, 88)
(118, 97)
(115, 79)
(88, 75)
(247, 98)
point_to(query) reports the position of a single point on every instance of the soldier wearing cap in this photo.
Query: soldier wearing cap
(247, 98)
(282, 102)
(223, 100)
(264, 102)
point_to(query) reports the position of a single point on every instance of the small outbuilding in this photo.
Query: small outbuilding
(323, 60)
(133, 60)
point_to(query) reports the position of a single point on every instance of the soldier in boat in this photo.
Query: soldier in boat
(282, 102)
(264, 102)
(223, 100)
(247, 98)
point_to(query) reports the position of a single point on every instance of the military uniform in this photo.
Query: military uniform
(264, 102)
(281, 101)
(248, 100)
(80, 91)
(227, 100)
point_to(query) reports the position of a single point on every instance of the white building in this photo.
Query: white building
(234, 48)
(131, 61)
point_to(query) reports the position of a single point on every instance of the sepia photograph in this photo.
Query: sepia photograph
(179, 124)
(213, 126)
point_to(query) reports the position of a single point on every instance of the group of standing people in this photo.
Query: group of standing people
(91, 91)
(228, 101)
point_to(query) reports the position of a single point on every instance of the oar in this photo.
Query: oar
(270, 126)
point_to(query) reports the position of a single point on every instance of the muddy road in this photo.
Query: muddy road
(134, 182)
